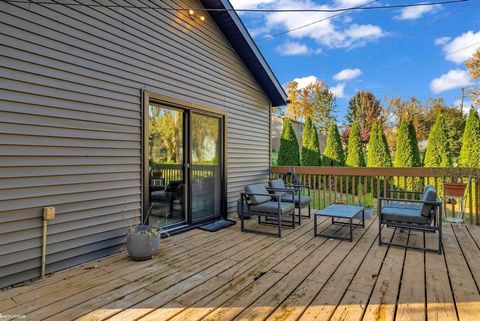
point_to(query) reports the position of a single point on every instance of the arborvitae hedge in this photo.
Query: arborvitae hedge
(438, 152)
(378, 152)
(407, 153)
(333, 154)
(470, 152)
(310, 145)
(355, 156)
(288, 155)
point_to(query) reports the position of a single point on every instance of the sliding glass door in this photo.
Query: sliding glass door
(206, 136)
(185, 166)
(167, 178)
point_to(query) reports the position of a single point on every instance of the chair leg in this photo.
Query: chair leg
(309, 210)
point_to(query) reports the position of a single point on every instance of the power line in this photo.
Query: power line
(238, 10)
(461, 49)
(312, 23)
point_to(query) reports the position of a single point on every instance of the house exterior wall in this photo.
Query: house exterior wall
(70, 120)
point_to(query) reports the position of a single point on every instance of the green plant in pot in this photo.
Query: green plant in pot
(143, 240)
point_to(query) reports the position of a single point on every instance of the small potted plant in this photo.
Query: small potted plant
(143, 240)
(456, 187)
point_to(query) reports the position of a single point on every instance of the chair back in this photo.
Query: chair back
(257, 189)
(429, 195)
(291, 173)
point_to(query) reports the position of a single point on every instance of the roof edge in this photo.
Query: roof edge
(232, 26)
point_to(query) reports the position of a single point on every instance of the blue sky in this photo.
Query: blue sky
(395, 52)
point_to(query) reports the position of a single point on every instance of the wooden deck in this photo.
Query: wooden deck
(232, 275)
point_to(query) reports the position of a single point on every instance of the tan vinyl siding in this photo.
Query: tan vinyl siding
(70, 120)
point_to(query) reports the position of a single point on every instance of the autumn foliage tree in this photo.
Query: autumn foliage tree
(314, 100)
(288, 154)
(473, 66)
(366, 109)
(310, 145)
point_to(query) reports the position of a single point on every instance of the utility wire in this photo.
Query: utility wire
(461, 49)
(313, 22)
(238, 10)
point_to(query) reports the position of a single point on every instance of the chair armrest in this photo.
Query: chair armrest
(298, 185)
(275, 189)
(260, 194)
(385, 199)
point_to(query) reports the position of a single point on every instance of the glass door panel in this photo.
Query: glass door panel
(206, 173)
(167, 175)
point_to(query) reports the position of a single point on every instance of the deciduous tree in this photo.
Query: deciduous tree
(366, 109)
(314, 100)
(473, 66)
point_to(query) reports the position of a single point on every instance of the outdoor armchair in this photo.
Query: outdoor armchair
(300, 201)
(269, 209)
(424, 214)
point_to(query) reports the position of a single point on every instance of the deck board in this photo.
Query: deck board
(229, 275)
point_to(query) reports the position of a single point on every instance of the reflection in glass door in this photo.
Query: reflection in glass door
(167, 178)
(206, 171)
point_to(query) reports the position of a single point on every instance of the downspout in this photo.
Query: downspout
(48, 214)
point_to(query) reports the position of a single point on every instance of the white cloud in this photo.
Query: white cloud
(349, 3)
(293, 49)
(338, 90)
(305, 81)
(455, 78)
(347, 74)
(442, 40)
(458, 49)
(332, 33)
(249, 4)
(412, 13)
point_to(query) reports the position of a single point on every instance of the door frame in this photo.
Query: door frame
(151, 97)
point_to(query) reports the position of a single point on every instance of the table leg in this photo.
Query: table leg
(351, 229)
(315, 225)
(363, 218)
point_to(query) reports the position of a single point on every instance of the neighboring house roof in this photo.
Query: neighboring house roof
(235, 31)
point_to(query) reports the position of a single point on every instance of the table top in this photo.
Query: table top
(337, 210)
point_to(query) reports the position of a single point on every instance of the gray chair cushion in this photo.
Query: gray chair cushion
(429, 195)
(403, 215)
(277, 183)
(304, 199)
(257, 189)
(272, 207)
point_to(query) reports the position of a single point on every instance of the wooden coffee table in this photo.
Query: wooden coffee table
(346, 212)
